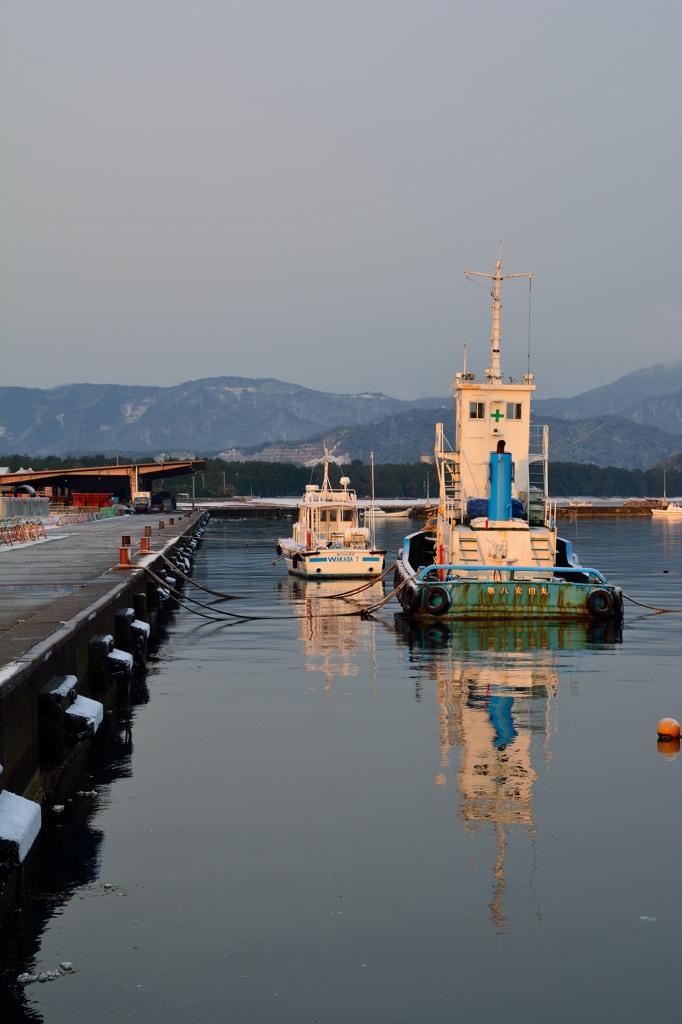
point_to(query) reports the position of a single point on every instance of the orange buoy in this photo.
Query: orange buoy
(668, 729)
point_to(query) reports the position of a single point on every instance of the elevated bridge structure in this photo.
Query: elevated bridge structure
(121, 480)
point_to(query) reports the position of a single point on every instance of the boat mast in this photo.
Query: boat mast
(372, 534)
(494, 371)
(326, 486)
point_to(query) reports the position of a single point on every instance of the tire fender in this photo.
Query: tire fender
(436, 601)
(600, 603)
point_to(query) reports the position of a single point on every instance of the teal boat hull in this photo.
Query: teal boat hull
(455, 593)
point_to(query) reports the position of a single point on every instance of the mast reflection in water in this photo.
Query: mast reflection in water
(496, 686)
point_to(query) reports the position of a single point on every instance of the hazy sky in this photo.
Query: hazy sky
(293, 188)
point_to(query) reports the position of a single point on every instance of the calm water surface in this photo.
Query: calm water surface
(319, 818)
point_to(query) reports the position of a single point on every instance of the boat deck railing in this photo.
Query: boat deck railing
(512, 572)
(550, 513)
(452, 509)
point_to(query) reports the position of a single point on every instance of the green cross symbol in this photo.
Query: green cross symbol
(497, 415)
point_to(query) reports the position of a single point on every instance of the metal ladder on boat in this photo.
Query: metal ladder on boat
(537, 473)
(453, 485)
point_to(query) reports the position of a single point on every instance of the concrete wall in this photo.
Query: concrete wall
(62, 652)
(89, 613)
(24, 508)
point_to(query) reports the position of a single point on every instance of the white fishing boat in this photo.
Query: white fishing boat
(328, 541)
(382, 513)
(671, 510)
(491, 550)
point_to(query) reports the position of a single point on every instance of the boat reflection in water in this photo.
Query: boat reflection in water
(330, 626)
(495, 688)
(504, 635)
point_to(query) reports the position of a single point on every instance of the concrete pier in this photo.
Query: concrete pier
(66, 600)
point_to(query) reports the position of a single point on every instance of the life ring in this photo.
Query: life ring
(600, 603)
(436, 601)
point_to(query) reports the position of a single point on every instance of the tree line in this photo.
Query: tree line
(409, 481)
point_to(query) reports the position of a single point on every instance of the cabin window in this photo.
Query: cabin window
(347, 515)
(514, 410)
(476, 410)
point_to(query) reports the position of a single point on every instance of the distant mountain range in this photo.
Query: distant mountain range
(652, 396)
(200, 416)
(636, 422)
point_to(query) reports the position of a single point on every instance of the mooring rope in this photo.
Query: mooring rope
(653, 608)
(179, 598)
(361, 612)
(319, 597)
(375, 607)
(220, 614)
(356, 590)
(188, 579)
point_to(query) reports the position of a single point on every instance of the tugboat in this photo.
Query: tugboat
(327, 541)
(491, 550)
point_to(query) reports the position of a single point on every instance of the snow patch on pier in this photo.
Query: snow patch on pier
(19, 826)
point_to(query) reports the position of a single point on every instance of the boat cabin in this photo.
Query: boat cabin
(329, 518)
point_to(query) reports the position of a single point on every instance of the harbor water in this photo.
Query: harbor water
(312, 817)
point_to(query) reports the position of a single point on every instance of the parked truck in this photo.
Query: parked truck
(142, 501)
(153, 501)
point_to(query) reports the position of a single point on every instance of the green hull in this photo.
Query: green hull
(453, 593)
